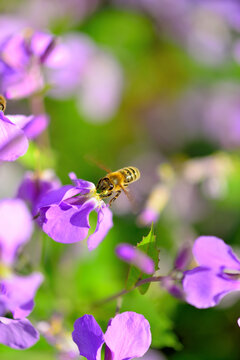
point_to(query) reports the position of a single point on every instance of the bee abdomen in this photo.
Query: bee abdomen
(131, 174)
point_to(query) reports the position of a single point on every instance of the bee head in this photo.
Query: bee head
(104, 186)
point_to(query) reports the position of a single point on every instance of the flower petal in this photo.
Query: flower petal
(212, 252)
(33, 188)
(204, 288)
(54, 197)
(104, 224)
(133, 256)
(31, 125)
(16, 227)
(17, 293)
(67, 226)
(13, 142)
(128, 336)
(23, 83)
(18, 334)
(89, 337)
(87, 186)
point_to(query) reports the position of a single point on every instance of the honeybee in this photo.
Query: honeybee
(115, 182)
(2, 103)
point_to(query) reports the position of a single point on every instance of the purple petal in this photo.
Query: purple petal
(133, 256)
(183, 258)
(13, 142)
(36, 126)
(89, 337)
(128, 336)
(17, 293)
(212, 252)
(16, 227)
(204, 288)
(82, 184)
(17, 334)
(67, 226)
(40, 42)
(56, 196)
(14, 52)
(148, 216)
(172, 287)
(104, 224)
(31, 125)
(34, 187)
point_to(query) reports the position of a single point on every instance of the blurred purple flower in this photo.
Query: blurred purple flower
(221, 118)
(34, 186)
(18, 334)
(17, 294)
(206, 28)
(72, 11)
(135, 257)
(77, 67)
(57, 336)
(217, 274)
(15, 131)
(21, 56)
(128, 336)
(173, 281)
(64, 213)
(16, 228)
(155, 204)
(67, 64)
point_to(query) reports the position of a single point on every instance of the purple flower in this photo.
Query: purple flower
(57, 336)
(17, 294)
(18, 334)
(16, 228)
(77, 67)
(156, 203)
(15, 131)
(64, 213)
(217, 274)
(135, 257)
(128, 336)
(22, 55)
(35, 186)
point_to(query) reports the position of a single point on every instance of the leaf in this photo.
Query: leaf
(148, 245)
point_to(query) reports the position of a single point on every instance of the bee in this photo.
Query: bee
(2, 103)
(115, 182)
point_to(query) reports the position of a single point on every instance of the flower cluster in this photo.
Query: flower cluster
(16, 291)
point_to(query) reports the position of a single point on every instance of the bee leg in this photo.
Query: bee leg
(115, 197)
(107, 195)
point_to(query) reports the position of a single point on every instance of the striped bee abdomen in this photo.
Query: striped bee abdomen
(131, 174)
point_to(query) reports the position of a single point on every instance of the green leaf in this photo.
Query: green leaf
(148, 245)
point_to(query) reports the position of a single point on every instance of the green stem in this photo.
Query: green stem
(126, 291)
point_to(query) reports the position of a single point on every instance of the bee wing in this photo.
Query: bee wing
(130, 198)
(98, 163)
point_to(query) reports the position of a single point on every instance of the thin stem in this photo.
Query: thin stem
(125, 291)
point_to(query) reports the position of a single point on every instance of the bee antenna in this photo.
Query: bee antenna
(97, 163)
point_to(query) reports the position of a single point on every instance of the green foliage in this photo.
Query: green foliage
(149, 246)
(160, 323)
